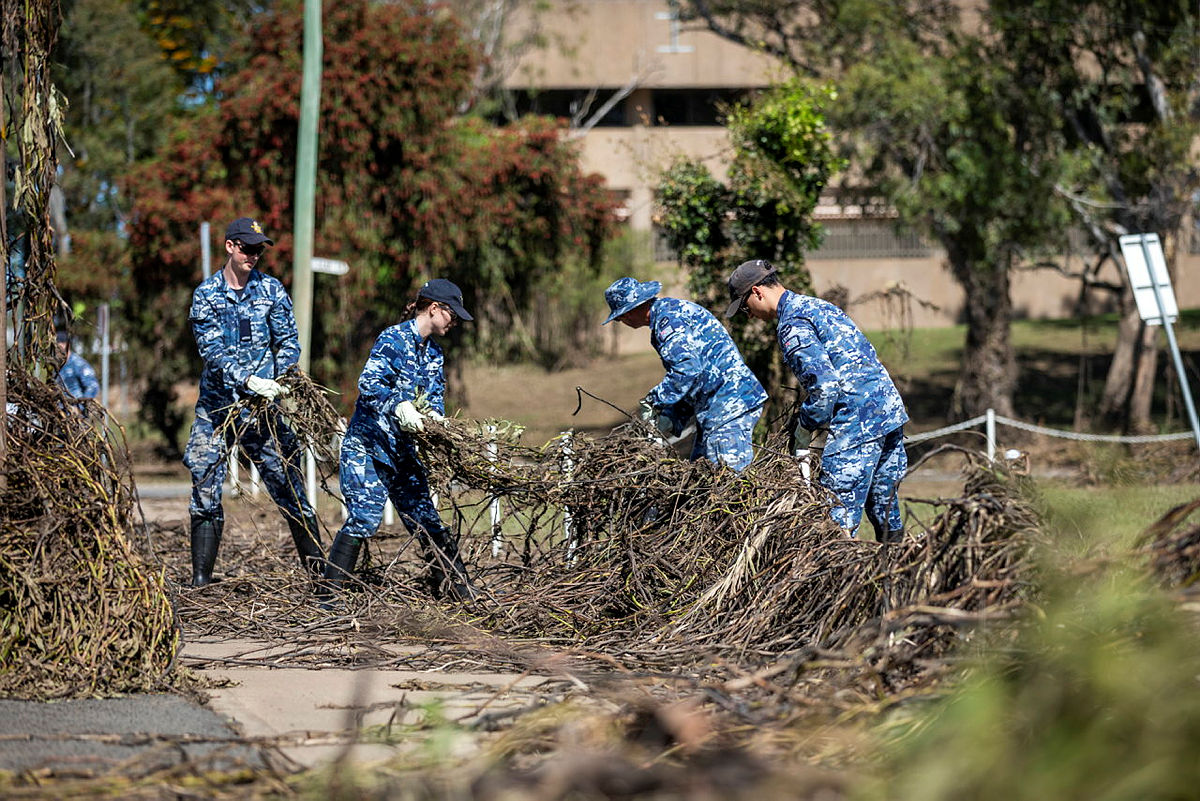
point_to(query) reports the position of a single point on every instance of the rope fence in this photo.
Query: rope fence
(990, 420)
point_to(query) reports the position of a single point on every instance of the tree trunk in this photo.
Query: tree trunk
(1143, 383)
(1119, 381)
(988, 376)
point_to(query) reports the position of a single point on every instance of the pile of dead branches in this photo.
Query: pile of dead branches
(1172, 547)
(81, 613)
(616, 546)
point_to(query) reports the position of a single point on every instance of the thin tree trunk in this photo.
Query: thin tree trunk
(988, 376)
(1118, 383)
(1143, 383)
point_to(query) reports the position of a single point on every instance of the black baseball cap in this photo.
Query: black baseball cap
(746, 276)
(246, 231)
(443, 291)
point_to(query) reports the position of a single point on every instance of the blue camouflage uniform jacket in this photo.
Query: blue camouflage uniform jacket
(239, 335)
(402, 366)
(706, 375)
(78, 378)
(849, 392)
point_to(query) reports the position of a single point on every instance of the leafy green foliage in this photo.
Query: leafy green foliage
(406, 190)
(782, 160)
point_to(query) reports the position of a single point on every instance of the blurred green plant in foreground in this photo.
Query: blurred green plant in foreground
(1096, 698)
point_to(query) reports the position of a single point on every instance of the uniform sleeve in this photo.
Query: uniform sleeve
(681, 358)
(284, 337)
(210, 340)
(805, 355)
(390, 374)
(435, 387)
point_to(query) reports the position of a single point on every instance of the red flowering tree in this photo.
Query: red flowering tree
(406, 189)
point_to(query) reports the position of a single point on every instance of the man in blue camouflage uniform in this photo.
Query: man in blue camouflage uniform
(76, 376)
(850, 395)
(401, 386)
(246, 333)
(705, 373)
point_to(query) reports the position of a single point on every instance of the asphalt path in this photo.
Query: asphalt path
(137, 734)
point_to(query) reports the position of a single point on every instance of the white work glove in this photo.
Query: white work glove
(660, 421)
(436, 416)
(408, 416)
(265, 387)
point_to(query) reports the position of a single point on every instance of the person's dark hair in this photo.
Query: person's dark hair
(417, 306)
(769, 280)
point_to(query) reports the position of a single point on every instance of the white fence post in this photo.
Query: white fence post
(234, 483)
(310, 477)
(497, 536)
(991, 434)
(568, 469)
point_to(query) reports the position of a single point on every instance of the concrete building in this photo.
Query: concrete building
(644, 88)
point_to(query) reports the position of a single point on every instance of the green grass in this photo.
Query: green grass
(1109, 515)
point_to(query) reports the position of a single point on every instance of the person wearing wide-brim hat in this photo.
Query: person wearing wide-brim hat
(402, 387)
(849, 395)
(705, 373)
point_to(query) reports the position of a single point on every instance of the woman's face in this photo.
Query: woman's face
(441, 319)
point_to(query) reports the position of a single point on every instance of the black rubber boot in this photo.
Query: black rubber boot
(206, 539)
(343, 556)
(307, 536)
(891, 537)
(447, 573)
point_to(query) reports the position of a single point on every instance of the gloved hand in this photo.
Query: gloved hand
(652, 416)
(801, 439)
(408, 416)
(435, 416)
(265, 387)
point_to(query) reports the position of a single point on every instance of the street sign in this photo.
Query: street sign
(331, 266)
(1147, 271)
(1143, 276)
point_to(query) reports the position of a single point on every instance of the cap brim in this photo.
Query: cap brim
(734, 307)
(458, 310)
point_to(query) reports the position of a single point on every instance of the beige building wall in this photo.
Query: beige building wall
(636, 46)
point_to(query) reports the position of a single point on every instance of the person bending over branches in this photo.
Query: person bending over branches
(705, 373)
(850, 396)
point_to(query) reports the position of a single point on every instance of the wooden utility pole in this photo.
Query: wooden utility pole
(306, 178)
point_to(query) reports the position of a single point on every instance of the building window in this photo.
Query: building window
(869, 239)
(693, 106)
(662, 247)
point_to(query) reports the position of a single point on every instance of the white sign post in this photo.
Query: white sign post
(1147, 270)
(331, 266)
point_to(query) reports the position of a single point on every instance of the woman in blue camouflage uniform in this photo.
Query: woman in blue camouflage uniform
(850, 395)
(246, 332)
(401, 386)
(705, 373)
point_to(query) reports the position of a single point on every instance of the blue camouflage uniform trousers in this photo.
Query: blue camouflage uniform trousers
(379, 460)
(239, 334)
(705, 376)
(851, 396)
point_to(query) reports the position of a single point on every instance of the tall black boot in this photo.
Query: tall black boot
(206, 539)
(447, 573)
(343, 556)
(306, 534)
